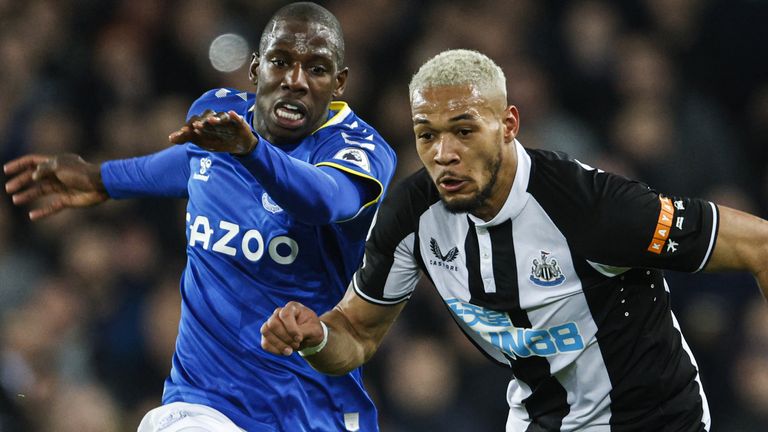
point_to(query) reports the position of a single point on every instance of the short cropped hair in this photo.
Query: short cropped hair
(308, 12)
(459, 67)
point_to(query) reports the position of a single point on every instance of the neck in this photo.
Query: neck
(500, 191)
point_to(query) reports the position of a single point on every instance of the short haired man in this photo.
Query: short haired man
(549, 266)
(282, 188)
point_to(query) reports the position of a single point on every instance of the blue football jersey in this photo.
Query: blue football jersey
(246, 257)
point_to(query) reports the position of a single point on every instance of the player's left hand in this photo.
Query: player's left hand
(217, 131)
(291, 328)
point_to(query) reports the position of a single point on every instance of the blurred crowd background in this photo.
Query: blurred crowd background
(672, 92)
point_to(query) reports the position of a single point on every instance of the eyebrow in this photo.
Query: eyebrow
(465, 116)
(322, 53)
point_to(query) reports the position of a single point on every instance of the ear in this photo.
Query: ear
(253, 70)
(511, 123)
(341, 82)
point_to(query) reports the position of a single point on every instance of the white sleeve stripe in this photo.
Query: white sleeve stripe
(712, 236)
(377, 301)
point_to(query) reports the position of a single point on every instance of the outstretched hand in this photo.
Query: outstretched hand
(291, 328)
(65, 180)
(218, 132)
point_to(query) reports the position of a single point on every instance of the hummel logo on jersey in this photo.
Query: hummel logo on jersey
(546, 272)
(205, 165)
(450, 256)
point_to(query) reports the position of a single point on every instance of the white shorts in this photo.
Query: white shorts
(186, 417)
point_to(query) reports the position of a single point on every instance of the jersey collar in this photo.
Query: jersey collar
(342, 111)
(518, 195)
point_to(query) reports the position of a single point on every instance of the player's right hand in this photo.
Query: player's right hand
(291, 328)
(217, 132)
(62, 181)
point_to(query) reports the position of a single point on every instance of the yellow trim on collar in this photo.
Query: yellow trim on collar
(359, 174)
(343, 111)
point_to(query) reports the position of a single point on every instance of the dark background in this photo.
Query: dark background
(672, 92)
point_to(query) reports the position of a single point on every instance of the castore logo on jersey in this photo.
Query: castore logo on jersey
(450, 256)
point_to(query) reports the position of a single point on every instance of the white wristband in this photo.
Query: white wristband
(319, 347)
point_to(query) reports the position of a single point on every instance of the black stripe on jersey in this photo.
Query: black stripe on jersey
(472, 257)
(504, 274)
(504, 266)
(652, 376)
(548, 404)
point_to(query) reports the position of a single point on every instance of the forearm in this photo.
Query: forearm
(314, 195)
(762, 281)
(742, 245)
(345, 350)
(165, 173)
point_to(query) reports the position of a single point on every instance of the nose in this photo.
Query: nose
(446, 150)
(295, 79)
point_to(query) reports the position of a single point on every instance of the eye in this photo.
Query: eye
(464, 132)
(318, 70)
(425, 136)
(278, 62)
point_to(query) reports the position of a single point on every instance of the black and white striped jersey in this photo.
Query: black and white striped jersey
(562, 286)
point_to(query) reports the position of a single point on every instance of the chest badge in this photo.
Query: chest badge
(270, 205)
(205, 170)
(546, 272)
(443, 260)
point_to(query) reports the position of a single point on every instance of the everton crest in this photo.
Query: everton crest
(546, 272)
(270, 205)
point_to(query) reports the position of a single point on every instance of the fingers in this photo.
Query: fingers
(281, 334)
(36, 191)
(210, 125)
(275, 336)
(181, 136)
(28, 162)
(45, 169)
(19, 182)
(48, 210)
(23, 171)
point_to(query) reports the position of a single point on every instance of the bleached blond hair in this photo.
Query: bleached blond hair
(459, 67)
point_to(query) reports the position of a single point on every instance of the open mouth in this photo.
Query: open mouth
(450, 183)
(290, 115)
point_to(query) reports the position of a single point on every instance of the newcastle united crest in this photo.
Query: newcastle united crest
(546, 272)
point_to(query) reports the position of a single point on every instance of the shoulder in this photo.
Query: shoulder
(222, 99)
(348, 127)
(411, 197)
(402, 208)
(547, 162)
(556, 172)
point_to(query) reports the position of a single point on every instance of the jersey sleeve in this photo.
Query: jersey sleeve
(362, 154)
(311, 194)
(391, 266)
(164, 174)
(615, 221)
(217, 100)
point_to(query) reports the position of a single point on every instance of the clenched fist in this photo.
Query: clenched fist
(291, 328)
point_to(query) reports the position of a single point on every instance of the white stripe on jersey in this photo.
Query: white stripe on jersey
(712, 237)
(705, 418)
(583, 374)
